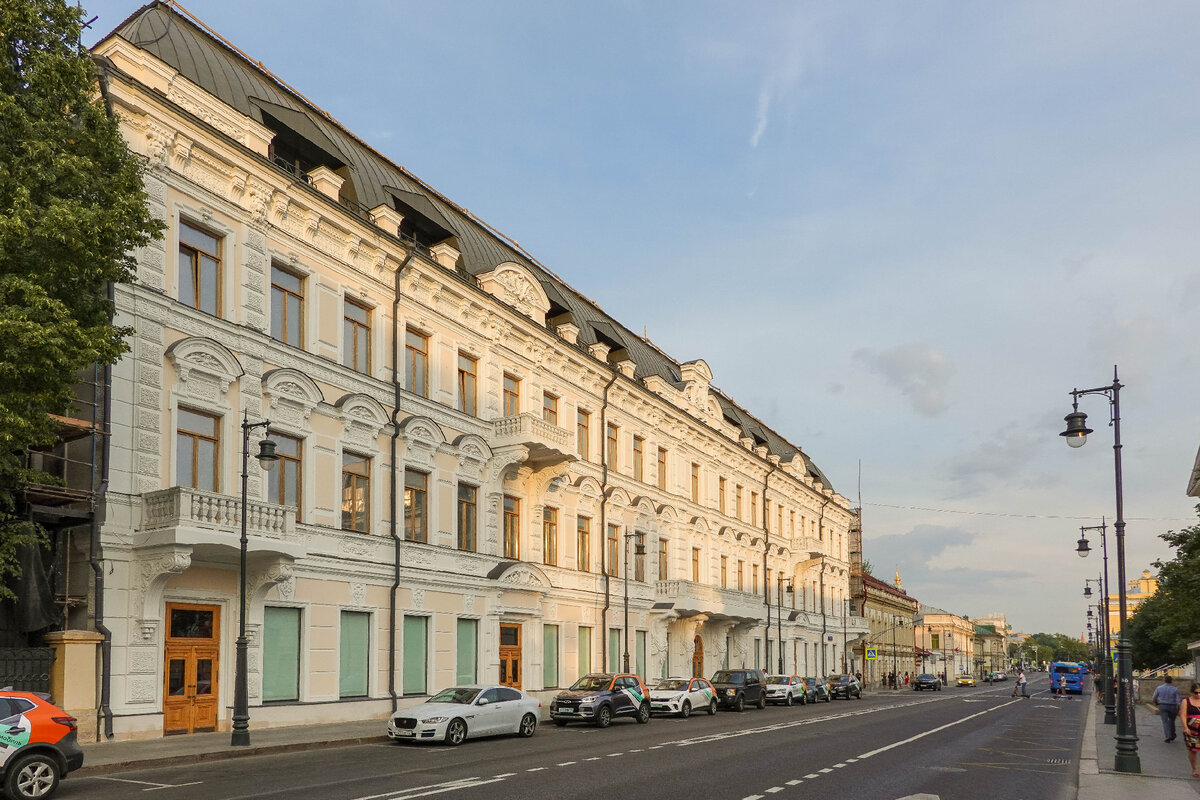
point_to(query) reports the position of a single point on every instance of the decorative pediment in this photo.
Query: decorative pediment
(206, 367)
(519, 288)
(524, 576)
(291, 396)
(473, 455)
(423, 437)
(362, 418)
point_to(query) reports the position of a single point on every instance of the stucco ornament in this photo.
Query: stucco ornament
(516, 286)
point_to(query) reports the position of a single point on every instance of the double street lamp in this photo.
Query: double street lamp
(1102, 632)
(639, 550)
(267, 458)
(1127, 759)
(779, 589)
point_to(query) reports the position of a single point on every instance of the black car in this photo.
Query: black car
(846, 686)
(927, 681)
(738, 688)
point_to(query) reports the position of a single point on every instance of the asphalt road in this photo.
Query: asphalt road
(957, 743)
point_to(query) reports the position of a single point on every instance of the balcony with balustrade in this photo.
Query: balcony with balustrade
(185, 516)
(548, 445)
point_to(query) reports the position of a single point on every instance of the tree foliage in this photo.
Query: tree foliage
(1163, 624)
(72, 208)
(1055, 647)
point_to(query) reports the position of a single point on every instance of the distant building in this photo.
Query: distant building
(951, 639)
(889, 612)
(1137, 591)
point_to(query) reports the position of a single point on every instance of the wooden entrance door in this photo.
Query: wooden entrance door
(698, 658)
(192, 657)
(510, 655)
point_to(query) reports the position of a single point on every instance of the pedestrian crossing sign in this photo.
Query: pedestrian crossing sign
(872, 654)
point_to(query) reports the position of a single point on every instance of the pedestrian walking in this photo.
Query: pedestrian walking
(1166, 697)
(1189, 717)
(1022, 685)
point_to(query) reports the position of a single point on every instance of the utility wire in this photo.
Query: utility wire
(1018, 516)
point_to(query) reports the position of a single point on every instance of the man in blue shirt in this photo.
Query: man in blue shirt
(1166, 697)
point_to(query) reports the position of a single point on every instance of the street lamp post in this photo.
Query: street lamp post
(638, 550)
(1127, 759)
(266, 456)
(895, 656)
(1103, 634)
(779, 587)
(847, 607)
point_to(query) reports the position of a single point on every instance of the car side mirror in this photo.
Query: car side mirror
(483, 701)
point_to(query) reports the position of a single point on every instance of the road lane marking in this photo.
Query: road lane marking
(536, 769)
(567, 763)
(838, 766)
(153, 786)
(812, 775)
(935, 730)
(774, 789)
(794, 782)
(432, 788)
(823, 770)
(504, 775)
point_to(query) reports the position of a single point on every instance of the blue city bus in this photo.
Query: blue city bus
(1066, 676)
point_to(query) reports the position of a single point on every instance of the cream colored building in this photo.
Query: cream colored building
(477, 464)
(950, 638)
(889, 612)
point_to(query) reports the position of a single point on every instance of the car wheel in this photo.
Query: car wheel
(828, 698)
(712, 707)
(643, 713)
(787, 701)
(456, 732)
(35, 776)
(604, 717)
(528, 726)
(740, 703)
(762, 700)
(685, 710)
(562, 723)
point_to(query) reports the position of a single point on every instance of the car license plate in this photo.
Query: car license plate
(566, 711)
(406, 733)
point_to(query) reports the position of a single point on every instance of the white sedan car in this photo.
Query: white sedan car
(452, 715)
(682, 696)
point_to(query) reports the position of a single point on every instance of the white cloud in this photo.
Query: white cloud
(920, 372)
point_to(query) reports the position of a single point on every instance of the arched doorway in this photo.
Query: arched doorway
(698, 658)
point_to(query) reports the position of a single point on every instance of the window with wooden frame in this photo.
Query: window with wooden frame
(468, 381)
(583, 433)
(416, 506)
(285, 481)
(737, 501)
(583, 544)
(287, 306)
(639, 458)
(512, 527)
(511, 392)
(468, 516)
(754, 508)
(356, 336)
(614, 538)
(754, 577)
(639, 558)
(662, 468)
(612, 440)
(550, 536)
(550, 408)
(416, 362)
(696, 564)
(199, 269)
(721, 489)
(724, 572)
(662, 558)
(356, 492)
(741, 580)
(695, 483)
(197, 450)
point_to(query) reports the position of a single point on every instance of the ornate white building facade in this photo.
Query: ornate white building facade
(481, 474)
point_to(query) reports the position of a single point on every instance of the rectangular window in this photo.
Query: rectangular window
(583, 432)
(614, 649)
(287, 307)
(754, 576)
(639, 445)
(416, 638)
(416, 362)
(583, 544)
(695, 483)
(466, 659)
(721, 495)
(612, 443)
(779, 519)
(549, 656)
(467, 516)
(550, 408)
(199, 269)
(754, 508)
(356, 493)
(662, 468)
(197, 450)
(724, 572)
(549, 536)
(585, 650)
(468, 376)
(792, 522)
(416, 506)
(639, 653)
(284, 482)
(662, 559)
(355, 654)
(356, 334)
(639, 557)
(737, 501)
(741, 581)
(614, 536)
(281, 654)
(512, 527)
(696, 564)
(512, 395)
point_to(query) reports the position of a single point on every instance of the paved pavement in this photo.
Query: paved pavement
(1165, 774)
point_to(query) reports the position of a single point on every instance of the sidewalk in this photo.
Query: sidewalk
(1165, 772)
(105, 757)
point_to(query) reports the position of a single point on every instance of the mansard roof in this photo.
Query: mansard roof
(207, 60)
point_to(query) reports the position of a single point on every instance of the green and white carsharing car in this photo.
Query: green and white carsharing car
(599, 698)
(682, 696)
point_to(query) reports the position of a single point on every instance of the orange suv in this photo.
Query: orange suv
(37, 746)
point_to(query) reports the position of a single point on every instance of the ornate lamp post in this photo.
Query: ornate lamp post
(1102, 632)
(779, 589)
(241, 702)
(1127, 759)
(639, 549)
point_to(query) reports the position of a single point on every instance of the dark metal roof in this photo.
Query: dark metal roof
(224, 72)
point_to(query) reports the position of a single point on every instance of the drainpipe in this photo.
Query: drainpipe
(604, 524)
(766, 579)
(824, 619)
(95, 551)
(396, 539)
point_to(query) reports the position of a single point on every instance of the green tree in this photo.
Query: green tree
(1161, 627)
(72, 208)
(1056, 647)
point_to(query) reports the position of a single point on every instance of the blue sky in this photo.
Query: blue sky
(899, 233)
